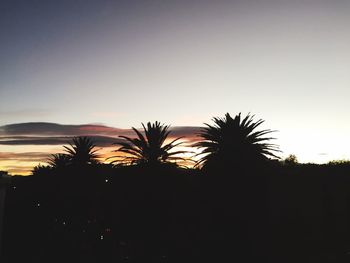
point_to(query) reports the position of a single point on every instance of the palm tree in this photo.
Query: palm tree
(59, 160)
(149, 148)
(81, 151)
(41, 169)
(234, 141)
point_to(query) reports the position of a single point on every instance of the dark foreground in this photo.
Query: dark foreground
(277, 213)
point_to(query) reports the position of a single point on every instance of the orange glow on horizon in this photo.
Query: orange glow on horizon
(22, 159)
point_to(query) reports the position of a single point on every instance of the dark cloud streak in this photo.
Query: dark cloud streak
(99, 140)
(41, 133)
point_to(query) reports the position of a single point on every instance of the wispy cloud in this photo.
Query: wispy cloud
(54, 129)
(38, 134)
(42, 140)
(23, 156)
(53, 133)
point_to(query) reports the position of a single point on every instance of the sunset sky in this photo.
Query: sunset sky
(120, 63)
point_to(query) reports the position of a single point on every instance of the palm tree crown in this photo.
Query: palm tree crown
(59, 160)
(82, 151)
(233, 140)
(149, 148)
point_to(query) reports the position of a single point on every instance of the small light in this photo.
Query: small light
(14, 187)
(38, 204)
(101, 237)
(64, 223)
(108, 230)
(106, 180)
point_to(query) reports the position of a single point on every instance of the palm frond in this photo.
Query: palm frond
(81, 151)
(149, 147)
(234, 139)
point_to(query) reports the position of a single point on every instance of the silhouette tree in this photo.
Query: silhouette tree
(41, 169)
(291, 160)
(234, 141)
(149, 149)
(81, 151)
(59, 160)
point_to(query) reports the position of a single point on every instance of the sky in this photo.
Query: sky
(120, 63)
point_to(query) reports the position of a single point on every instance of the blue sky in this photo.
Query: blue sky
(121, 63)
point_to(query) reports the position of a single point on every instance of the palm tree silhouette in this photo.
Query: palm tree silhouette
(234, 141)
(149, 149)
(41, 169)
(81, 151)
(59, 160)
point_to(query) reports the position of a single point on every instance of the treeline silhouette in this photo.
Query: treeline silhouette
(239, 204)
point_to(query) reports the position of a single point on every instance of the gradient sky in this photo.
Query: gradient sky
(121, 63)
